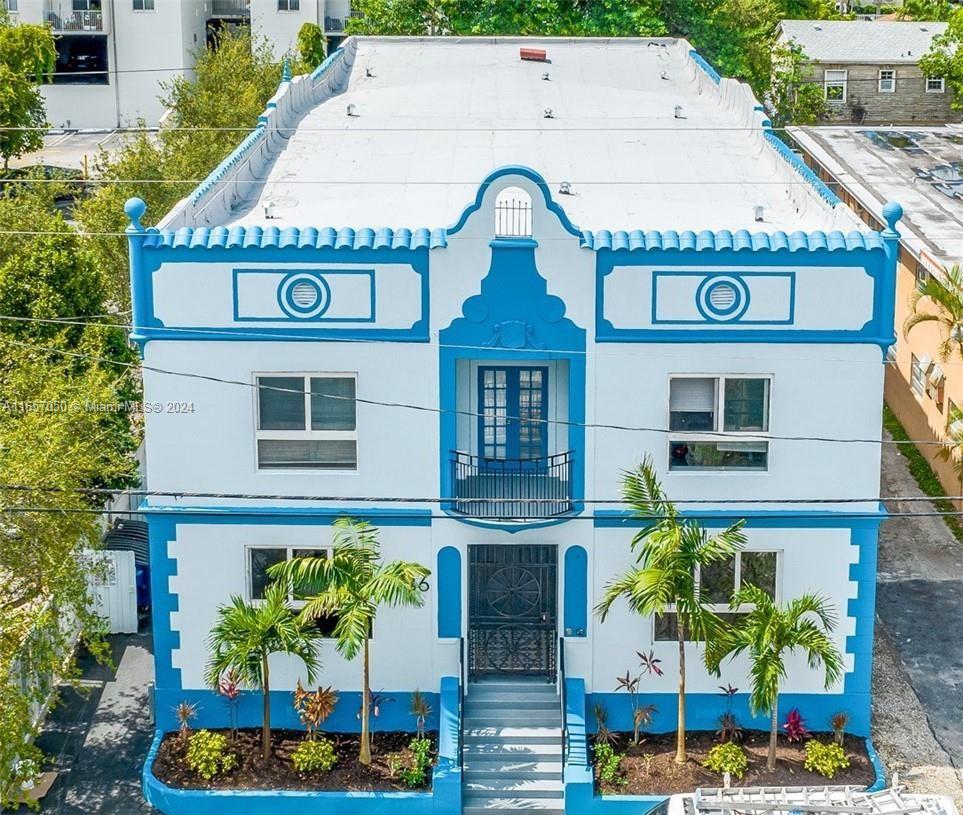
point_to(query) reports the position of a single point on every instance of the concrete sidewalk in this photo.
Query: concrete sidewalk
(99, 735)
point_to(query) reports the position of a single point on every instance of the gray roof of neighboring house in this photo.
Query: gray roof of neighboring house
(862, 41)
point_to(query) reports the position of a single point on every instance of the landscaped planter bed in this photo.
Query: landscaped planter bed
(663, 776)
(253, 773)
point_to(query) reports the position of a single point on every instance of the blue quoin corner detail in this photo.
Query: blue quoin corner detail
(449, 592)
(576, 591)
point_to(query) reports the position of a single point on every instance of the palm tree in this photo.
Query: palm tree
(352, 584)
(669, 551)
(770, 632)
(246, 634)
(952, 447)
(946, 296)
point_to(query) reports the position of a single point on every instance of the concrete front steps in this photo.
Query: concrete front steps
(512, 747)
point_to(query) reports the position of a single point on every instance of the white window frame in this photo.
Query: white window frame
(307, 434)
(917, 376)
(840, 80)
(285, 6)
(941, 88)
(890, 80)
(724, 608)
(718, 434)
(145, 6)
(11, 6)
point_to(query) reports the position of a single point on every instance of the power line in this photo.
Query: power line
(414, 182)
(748, 437)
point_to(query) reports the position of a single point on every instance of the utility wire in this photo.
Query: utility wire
(747, 436)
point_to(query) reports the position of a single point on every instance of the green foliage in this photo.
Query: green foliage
(213, 110)
(825, 759)
(311, 45)
(727, 758)
(793, 96)
(921, 471)
(313, 707)
(608, 765)
(208, 754)
(314, 755)
(769, 633)
(930, 10)
(945, 57)
(246, 634)
(352, 584)
(412, 766)
(421, 710)
(668, 551)
(27, 53)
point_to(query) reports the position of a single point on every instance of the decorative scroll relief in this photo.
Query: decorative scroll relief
(815, 298)
(296, 297)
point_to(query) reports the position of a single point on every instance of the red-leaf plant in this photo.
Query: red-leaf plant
(795, 726)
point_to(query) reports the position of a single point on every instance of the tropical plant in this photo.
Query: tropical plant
(185, 713)
(352, 584)
(313, 755)
(838, 722)
(208, 754)
(727, 758)
(608, 765)
(769, 632)
(311, 45)
(412, 765)
(940, 302)
(944, 58)
(229, 687)
(669, 550)
(246, 634)
(825, 759)
(602, 732)
(421, 710)
(641, 714)
(313, 707)
(795, 726)
(729, 729)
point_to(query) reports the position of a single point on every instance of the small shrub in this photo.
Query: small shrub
(729, 729)
(421, 710)
(838, 722)
(411, 768)
(185, 713)
(608, 765)
(727, 758)
(602, 733)
(795, 726)
(313, 707)
(208, 756)
(314, 755)
(825, 759)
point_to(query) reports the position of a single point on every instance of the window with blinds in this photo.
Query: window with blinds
(724, 409)
(307, 422)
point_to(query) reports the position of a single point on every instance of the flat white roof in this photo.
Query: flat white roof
(434, 116)
(920, 167)
(862, 41)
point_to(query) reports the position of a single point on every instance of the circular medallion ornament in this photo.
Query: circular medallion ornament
(513, 591)
(304, 296)
(722, 298)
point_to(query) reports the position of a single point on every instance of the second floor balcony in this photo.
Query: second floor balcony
(74, 15)
(512, 489)
(231, 8)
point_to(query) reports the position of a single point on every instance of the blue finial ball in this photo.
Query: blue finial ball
(892, 212)
(135, 209)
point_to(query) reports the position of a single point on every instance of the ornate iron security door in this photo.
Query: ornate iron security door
(513, 600)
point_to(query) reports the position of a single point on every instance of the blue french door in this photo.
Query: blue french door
(513, 413)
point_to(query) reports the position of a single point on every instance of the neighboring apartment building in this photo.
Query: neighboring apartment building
(114, 55)
(596, 257)
(870, 70)
(922, 168)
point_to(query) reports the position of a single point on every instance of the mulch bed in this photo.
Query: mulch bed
(664, 776)
(278, 773)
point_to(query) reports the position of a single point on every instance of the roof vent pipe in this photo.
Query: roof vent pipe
(546, 76)
(565, 188)
(549, 114)
(369, 71)
(677, 112)
(757, 213)
(351, 109)
(664, 74)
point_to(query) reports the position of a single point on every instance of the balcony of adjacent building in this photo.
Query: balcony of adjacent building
(336, 16)
(75, 16)
(238, 9)
(512, 460)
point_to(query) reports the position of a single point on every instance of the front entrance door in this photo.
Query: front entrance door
(512, 602)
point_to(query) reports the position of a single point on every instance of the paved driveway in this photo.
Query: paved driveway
(99, 735)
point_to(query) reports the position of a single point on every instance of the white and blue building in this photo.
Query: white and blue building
(457, 293)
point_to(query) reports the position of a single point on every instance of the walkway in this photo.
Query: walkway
(99, 735)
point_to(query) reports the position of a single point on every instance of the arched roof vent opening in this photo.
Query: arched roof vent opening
(513, 213)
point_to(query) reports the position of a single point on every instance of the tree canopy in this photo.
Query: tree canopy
(945, 57)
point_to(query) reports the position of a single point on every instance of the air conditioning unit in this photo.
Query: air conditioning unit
(925, 362)
(937, 376)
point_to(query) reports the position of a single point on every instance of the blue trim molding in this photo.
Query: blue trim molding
(704, 65)
(161, 532)
(449, 593)
(576, 592)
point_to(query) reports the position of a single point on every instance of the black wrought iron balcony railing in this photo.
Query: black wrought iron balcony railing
(511, 488)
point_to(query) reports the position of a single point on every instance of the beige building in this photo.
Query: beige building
(921, 168)
(869, 70)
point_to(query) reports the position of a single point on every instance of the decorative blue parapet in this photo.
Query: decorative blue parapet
(741, 240)
(701, 61)
(800, 166)
(272, 237)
